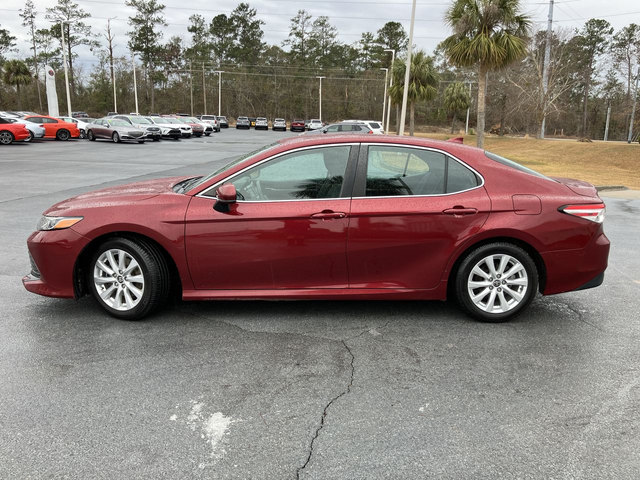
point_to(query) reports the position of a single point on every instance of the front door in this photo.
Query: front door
(412, 208)
(288, 229)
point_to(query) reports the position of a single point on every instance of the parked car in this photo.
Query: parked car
(12, 132)
(112, 114)
(223, 121)
(376, 127)
(35, 130)
(211, 120)
(262, 123)
(306, 124)
(279, 124)
(169, 130)
(79, 115)
(344, 127)
(243, 122)
(252, 121)
(315, 124)
(297, 126)
(185, 129)
(424, 219)
(197, 129)
(115, 129)
(154, 132)
(80, 122)
(55, 128)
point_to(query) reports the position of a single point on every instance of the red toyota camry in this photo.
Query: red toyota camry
(329, 217)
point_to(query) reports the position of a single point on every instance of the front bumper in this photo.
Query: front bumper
(53, 259)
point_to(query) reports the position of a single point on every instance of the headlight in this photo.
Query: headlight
(56, 223)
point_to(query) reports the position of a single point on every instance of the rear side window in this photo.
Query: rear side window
(393, 171)
(374, 125)
(512, 164)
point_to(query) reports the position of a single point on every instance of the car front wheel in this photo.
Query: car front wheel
(496, 282)
(128, 278)
(115, 137)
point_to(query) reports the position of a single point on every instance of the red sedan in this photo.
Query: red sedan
(329, 217)
(55, 127)
(10, 132)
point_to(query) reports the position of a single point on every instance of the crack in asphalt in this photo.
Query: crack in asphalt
(582, 319)
(326, 408)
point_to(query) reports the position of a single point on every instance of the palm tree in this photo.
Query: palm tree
(489, 34)
(456, 98)
(423, 83)
(16, 73)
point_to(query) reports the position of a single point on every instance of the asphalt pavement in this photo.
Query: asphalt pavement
(284, 390)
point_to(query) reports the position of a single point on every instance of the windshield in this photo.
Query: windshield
(234, 163)
(169, 120)
(118, 123)
(140, 121)
(512, 164)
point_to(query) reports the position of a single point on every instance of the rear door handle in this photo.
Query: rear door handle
(460, 211)
(328, 215)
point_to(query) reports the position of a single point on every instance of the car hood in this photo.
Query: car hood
(118, 195)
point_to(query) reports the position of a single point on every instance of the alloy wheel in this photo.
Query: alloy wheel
(118, 279)
(6, 138)
(497, 283)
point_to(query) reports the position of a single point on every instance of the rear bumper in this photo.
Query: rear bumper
(570, 270)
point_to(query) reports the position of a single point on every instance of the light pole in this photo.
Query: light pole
(204, 89)
(633, 111)
(320, 99)
(393, 57)
(135, 83)
(407, 71)
(384, 98)
(66, 67)
(219, 72)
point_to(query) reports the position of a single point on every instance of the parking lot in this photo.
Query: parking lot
(303, 389)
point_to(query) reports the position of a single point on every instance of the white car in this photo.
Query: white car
(81, 124)
(168, 129)
(35, 130)
(262, 123)
(185, 129)
(375, 126)
(279, 124)
(211, 120)
(315, 124)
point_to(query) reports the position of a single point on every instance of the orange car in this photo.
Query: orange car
(54, 127)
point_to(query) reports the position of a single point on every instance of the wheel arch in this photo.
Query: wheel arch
(79, 270)
(526, 246)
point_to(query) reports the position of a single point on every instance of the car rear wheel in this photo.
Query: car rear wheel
(30, 137)
(6, 138)
(63, 135)
(115, 137)
(496, 282)
(129, 279)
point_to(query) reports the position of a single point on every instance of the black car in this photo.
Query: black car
(222, 121)
(243, 122)
(153, 131)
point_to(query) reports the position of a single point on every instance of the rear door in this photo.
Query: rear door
(412, 208)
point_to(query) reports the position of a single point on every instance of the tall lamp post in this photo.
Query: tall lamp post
(393, 57)
(320, 99)
(407, 71)
(633, 111)
(219, 72)
(384, 98)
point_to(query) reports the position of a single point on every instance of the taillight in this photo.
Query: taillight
(593, 212)
(370, 132)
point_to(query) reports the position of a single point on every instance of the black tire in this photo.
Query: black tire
(83, 134)
(207, 134)
(63, 135)
(154, 270)
(140, 141)
(156, 139)
(91, 136)
(472, 259)
(6, 138)
(29, 138)
(116, 137)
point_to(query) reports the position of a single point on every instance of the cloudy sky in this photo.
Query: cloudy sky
(351, 17)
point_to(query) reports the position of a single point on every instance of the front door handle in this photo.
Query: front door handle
(460, 211)
(328, 215)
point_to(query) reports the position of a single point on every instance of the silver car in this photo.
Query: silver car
(262, 123)
(279, 124)
(35, 130)
(116, 130)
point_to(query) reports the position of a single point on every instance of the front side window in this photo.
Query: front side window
(304, 175)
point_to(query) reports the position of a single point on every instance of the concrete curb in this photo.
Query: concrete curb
(610, 188)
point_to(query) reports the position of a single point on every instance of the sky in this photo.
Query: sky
(350, 17)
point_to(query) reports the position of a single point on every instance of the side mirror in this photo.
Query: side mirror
(325, 130)
(226, 196)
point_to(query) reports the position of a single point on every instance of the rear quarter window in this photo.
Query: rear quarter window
(515, 165)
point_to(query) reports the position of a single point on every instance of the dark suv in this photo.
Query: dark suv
(297, 126)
